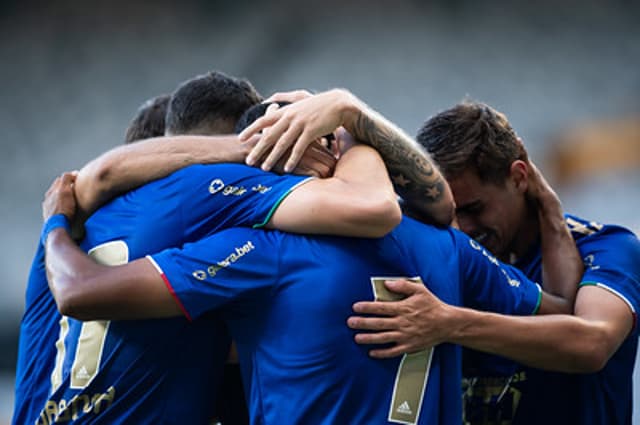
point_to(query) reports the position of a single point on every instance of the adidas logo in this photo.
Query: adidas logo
(404, 409)
(82, 373)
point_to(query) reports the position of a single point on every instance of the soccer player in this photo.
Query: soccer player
(578, 369)
(209, 104)
(39, 326)
(285, 299)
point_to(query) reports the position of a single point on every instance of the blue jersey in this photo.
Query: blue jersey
(286, 299)
(131, 372)
(611, 256)
(36, 349)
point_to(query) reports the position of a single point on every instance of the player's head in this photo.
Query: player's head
(149, 120)
(209, 104)
(486, 165)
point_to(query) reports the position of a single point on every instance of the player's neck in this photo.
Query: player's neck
(526, 237)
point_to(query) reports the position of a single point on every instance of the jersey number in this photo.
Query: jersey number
(93, 334)
(413, 372)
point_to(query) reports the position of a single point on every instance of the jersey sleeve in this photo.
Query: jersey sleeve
(612, 262)
(488, 284)
(208, 273)
(221, 196)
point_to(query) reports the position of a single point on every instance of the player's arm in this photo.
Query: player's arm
(414, 175)
(559, 342)
(562, 267)
(576, 344)
(86, 290)
(358, 200)
(129, 166)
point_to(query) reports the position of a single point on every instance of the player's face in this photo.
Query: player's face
(490, 213)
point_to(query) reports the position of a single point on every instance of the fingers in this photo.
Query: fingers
(298, 150)
(281, 139)
(256, 126)
(68, 178)
(402, 286)
(377, 338)
(371, 323)
(316, 161)
(290, 96)
(378, 308)
(60, 198)
(387, 353)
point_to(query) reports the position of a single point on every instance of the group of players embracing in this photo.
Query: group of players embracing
(357, 275)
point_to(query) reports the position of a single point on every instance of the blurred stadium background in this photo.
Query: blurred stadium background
(566, 73)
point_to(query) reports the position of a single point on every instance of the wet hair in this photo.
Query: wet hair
(149, 120)
(209, 104)
(472, 136)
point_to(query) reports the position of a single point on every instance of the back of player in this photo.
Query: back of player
(160, 371)
(286, 300)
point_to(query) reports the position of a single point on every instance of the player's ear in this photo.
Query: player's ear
(519, 172)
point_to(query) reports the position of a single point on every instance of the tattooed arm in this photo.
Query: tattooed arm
(414, 175)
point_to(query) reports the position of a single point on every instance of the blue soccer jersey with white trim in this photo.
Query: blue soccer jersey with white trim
(286, 299)
(612, 262)
(140, 371)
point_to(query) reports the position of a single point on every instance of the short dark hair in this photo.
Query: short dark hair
(149, 120)
(209, 104)
(472, 135)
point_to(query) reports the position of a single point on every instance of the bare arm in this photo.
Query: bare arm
(560, 342)
(575, 344)
(358, 200)
(127, 167)
(414, 175)
(562, 267)
(86, 290)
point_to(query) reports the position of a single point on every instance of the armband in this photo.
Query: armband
(54, 222)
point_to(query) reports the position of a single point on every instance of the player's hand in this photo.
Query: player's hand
(295, 126)
(60, 198)
(317, 161)
(289, 96)
(540, 192)
(412, 324)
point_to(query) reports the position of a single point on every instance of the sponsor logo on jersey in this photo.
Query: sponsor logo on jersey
(237, 253)
(475, 245)
(589, 260)
(260, 188)
(218, 186)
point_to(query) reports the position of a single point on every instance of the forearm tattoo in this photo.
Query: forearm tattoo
(413, 174)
